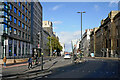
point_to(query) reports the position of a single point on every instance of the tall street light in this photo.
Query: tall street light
(81, 22)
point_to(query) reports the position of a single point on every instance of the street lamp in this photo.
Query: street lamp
(81, 22)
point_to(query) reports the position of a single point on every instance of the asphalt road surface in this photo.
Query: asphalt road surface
(92, 68)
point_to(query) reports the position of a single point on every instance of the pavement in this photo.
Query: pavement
(22, 72)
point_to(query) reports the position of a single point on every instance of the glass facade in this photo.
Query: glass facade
(9, 27)
(10, 47)
(15, 10)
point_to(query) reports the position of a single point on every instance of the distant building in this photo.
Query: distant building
(86, 42)
(48, 26)
(63, 50)
(45, 49)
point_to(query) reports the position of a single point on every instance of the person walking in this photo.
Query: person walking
(30, 63)
(4, 60)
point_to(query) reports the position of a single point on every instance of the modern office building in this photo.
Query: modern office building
(15, 26)
(36, 24)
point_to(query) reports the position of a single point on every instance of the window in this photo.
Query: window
(10, 29)
(15, 32)
(26, 35)
(5, 28)
(23, 35)
(22, 7)
(19, 23)
(15, 20)
(26, 28)
(22, 16)
(15, 1)
(10, 6)
(22, 25)
(10, 18)
(19, 3)
(26, 3)
(117, 43)
(19, 33)
(19, 13)
(25, 10)
(26, 19)
(15, 10)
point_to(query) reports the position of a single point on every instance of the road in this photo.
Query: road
(92, 68)
(61, 68)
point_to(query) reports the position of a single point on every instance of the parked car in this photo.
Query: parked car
(67, 56)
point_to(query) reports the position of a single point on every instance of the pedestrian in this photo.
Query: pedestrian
(4, 60)
(30, 63)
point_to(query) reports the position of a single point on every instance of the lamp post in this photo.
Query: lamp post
(81, 22)
(50, 47)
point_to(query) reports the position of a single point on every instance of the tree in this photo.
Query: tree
(55, 44)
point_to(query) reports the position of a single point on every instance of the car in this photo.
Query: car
(67, 56)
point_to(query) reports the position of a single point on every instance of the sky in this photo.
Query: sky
(67, 22)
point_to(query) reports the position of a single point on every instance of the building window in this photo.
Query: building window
(10, 6)
(25, 10)
(19, 3)
(26, 36)
(5, 29)
(26, 28)
(26, 19)
(22, 25)
(10, 29)
(10, 47)
(19, 23)
(22, 7)
(10, 18)
(26, 3)
(15, 1)
(15, 20)
(22, 16)
(23, 35)
(15, 10)
(117, 43)
(15, 31)
(19, 13)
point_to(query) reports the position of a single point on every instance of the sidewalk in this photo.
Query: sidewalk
(36, 72)
(109, 58)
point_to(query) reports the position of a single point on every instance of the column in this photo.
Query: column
(24, 49)
(7, 48)
(17, 48)
(21, 47)
(13, 48)
(107, 52)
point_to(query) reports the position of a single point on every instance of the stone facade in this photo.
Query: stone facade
(48, 26)
(106, 37)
